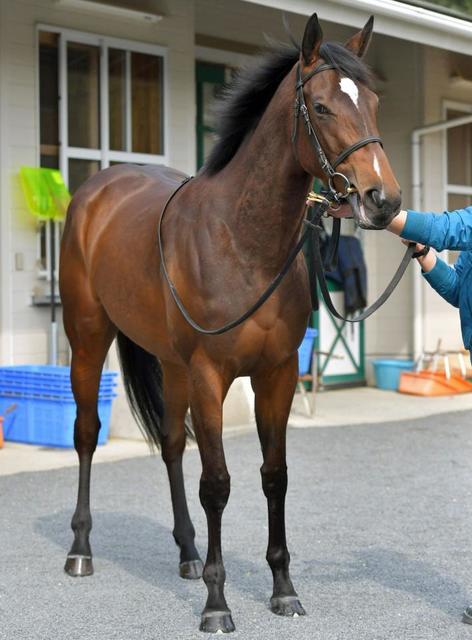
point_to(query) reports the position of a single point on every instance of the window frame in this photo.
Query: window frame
(448, 187)
(104, 155)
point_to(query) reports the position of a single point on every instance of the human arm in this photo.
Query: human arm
(448, 230)
(442, 277)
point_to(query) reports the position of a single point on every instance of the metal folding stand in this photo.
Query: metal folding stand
(309, 400)
(435, 357)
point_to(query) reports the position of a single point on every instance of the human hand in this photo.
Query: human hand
(428, 261)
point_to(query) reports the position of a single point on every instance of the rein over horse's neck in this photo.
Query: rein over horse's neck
(267, 212)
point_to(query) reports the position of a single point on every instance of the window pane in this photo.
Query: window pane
(80, 171)
(49, 161)
(49, 94)
(147, 108)
(456, 201)
(459, 151)
(117, 98)
(83, 92)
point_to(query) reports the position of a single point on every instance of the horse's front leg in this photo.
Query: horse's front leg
(274, 394)
(207, 391)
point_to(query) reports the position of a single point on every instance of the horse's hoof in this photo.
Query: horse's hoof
(78, 566)
(286, 606)
(217, 622)
(191, 570)
(467, 616)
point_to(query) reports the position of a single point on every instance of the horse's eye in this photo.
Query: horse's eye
(320, 109)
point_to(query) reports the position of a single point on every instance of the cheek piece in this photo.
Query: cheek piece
(328, 168)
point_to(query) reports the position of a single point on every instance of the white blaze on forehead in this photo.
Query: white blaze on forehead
(349, 87)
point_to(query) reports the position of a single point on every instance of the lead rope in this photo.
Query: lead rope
(313, 223)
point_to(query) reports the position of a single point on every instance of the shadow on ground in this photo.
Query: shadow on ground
(145, 549)
(397, 571)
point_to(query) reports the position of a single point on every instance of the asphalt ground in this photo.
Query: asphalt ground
(379, 528)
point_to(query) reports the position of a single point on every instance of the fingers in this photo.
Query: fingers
(418, 246)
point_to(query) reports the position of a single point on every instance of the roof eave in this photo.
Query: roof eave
(392, 18)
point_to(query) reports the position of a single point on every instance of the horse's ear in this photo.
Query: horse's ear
(312, 39)
(359, 43)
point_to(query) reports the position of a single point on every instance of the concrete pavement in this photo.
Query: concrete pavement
(333, 408)
(379, 520)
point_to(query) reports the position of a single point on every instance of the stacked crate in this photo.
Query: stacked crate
(45, 409)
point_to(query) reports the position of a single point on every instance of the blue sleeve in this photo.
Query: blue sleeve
(446, 279)
(448, 230)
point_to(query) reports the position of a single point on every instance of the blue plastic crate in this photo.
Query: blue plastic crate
(387, 372)
(39, 387)
(48, 421)
(305, 351)
(48, 375)
(47, 379)
(46, 370)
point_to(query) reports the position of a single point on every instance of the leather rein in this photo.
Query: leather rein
(319, 205)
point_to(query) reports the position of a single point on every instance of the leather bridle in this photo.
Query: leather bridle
(328, 168)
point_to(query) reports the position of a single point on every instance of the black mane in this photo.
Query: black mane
(249, 94)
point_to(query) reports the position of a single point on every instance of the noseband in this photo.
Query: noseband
(328, 168)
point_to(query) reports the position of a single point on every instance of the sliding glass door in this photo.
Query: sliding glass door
(102, 102)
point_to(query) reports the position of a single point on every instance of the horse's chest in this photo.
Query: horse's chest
(263, 343)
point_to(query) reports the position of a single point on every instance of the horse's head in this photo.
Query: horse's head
(342, 109)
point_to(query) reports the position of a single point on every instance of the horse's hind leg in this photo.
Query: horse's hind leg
(274, 393)
(173, 445)
(90, 333)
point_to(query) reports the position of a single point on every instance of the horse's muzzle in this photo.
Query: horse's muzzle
(375, 211)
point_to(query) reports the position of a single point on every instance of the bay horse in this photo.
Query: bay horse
(225, 235)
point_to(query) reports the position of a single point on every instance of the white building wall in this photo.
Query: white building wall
(5, 290)
(440, 320)
(25, 328)
(399, 65)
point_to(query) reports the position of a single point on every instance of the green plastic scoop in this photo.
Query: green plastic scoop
(46, 194)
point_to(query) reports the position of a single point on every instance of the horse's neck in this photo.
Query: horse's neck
(270, 189)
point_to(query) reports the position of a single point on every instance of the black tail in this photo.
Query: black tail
(142, 379)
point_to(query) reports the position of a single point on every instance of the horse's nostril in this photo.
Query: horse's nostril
(377, 198)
